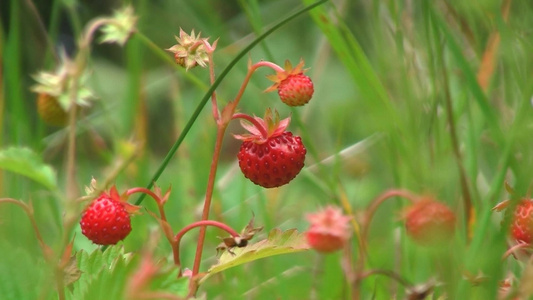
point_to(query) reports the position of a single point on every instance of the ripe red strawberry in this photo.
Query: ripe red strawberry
(294, 88)
(50, 111)
(522, 220)
(429, 222)
(106, 221)
(522, 223)
(269, 155)
(329, 231)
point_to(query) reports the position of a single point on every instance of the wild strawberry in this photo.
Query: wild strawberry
(429, 222)
(269, 155)
(50, 111)
(294, 88)
(521, 220)
(329, 230)
(106, 221)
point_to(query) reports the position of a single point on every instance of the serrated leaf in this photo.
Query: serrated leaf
(27, 163)
(278, 242)
(101, 272)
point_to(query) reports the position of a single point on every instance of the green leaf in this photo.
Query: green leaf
(20, 273)
(278, 242)
(27, 163)
(168, 283)
(104, 274)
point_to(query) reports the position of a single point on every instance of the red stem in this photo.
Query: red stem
(515, 248)
(221, 129)
(371, 210)
(202, 224)
(151, 194)
(214, 105)
(143, 190)
(251, 70)
(269, 65)
(208, 196)
(365, 224)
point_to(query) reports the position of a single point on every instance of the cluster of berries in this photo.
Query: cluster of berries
(270, 156)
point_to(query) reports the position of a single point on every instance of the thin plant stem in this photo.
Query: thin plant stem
(365, 224)
(203, 224)
(214, 104)
(42, 29)
(29, 212)
(72, 189)
(77, 71)
(167, 229)
(371, 210)
(467, 198)
(48, 253)
(515, 248)
(151, 194)
(60, 283)
(222, 124)
(208, 196)
(387, 273)
(251, 69)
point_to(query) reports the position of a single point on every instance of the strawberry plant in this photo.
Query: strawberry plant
(313, 149)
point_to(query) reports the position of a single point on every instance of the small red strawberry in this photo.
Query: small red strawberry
(429, 222)
(50, 111)
(522, 220)
(106, 221)
(294, 88)
(329, 231)
(269, 155)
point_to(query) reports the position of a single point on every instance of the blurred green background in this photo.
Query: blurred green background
(395, 83)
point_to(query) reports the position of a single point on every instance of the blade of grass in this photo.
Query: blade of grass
(496, 186)
(486, 69)
(251, 9)
(209, 92)
(470, 77)
(13, 73)
(351, 54)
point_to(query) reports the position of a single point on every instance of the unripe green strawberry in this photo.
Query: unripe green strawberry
(51, 111)
(270, 156)
(106, 221)
(429, 222)
(294, 88)
(329, 231)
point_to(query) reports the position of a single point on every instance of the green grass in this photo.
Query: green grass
(391, 73)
